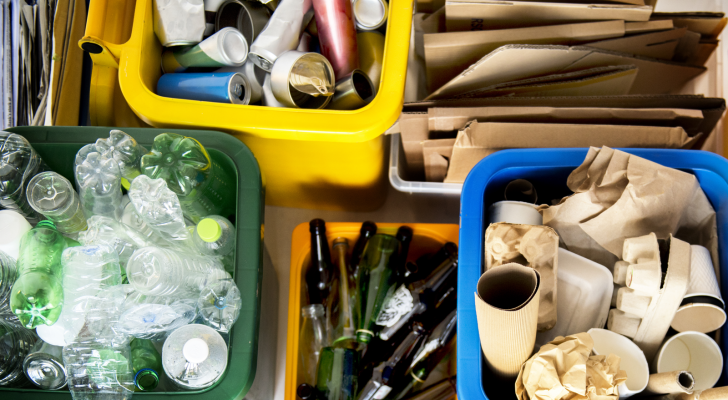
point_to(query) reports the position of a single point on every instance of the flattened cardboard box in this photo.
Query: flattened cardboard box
(437, 154)
(475, 15)
(659, 45)
(708, 24)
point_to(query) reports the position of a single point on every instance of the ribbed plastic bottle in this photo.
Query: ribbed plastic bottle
(99, 369)
(161, 211)
(8, 275)
(146, 364)
(19, 163)
(214, 236)
(149, 317)
(123, 149)
(219, 305)
(15, 343)
(204, 187)
(124, 239)
(37, 294)
(161, 272)
(53, 196)
(99, 186)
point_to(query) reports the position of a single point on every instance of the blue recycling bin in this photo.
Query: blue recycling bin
(548, 169)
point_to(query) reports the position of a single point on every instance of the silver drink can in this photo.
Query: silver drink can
(194, 356)
(44, 366)
(179, 22)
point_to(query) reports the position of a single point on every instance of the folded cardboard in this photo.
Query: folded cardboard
(475, 15)
(706, 48)
(448, 54)
(427, 24)
(436, 155)
(513, 62)
(429, 6)
(655, 44)
(633, 28)
(478, 140)
(687, 47)
(708, 24)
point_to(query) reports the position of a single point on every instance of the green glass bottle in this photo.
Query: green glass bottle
(337, 376)
(376, 281)
(203, 186)
(343, 299)
(37, 295)
(146, 363)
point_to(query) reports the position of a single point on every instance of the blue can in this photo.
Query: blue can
(217, 87)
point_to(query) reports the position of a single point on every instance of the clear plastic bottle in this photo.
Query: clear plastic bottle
(203, 186)
(15, 343)
(92, 292)
(194, 356)
(80, 156)
(312, 339)
(8, 275)
(99, 369)
(124, 150)
(53, 196)
(37, 294)
(14, 226)
(160, 210)
(44, 366)
(99, 186)
(161, 272)
(124, 239)
(214, 236)
(219, 305)
(149, 317)
(18, 164)
(146, 364)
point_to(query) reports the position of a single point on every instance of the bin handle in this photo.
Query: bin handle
(101, 52)
(107, 25)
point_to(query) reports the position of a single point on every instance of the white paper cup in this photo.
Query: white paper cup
(632, 359)
(514, 212)
(694, 352)
(702, 309)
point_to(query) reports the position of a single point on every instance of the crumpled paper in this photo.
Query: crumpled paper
(618, 196)
(565, 369)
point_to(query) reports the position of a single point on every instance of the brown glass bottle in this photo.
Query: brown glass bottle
(319, 273)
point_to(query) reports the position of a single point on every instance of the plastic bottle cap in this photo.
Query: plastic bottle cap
(195, 351)
(209, 230)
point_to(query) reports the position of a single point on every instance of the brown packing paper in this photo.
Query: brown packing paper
(534, 246)
(632, 28)
(708, 24)
(448, 54)
(565, 369)
(656, 44)
(478, 140)
(471, 15)
(670, 382)
(506, 306)
(437, 155)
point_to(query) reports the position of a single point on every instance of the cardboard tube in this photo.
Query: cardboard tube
(719, 393)
(670, 382)
(520, 190)
(645, 277)
(506, 306)
(632, 302)
(623, 323)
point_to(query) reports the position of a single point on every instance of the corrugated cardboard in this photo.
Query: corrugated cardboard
(513, 62)
(534, 246)
(478, 140)
(436, 154)
(708, 24)
(448, 54)
(687, 47)
(705, 49)
(632, 28)
(655, 44)
(429, 6)
(670, 382)
(506, 307)
(474, 15)
(427, 24)
(600, 81)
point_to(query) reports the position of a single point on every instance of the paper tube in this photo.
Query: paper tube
(623, 323)
(520, 190)
(620, 272)
(514, 212)
(670, 382)
(632, 302)
(720, 393)
(506, 306)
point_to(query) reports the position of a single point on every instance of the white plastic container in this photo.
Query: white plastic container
(14, 226)
(398, 175)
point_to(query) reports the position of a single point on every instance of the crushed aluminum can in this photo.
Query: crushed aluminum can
(179, 22)
(282, 33)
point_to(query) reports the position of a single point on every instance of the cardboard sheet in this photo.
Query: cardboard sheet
(65, 99)
(436, 155)
(633, 28)
(427, 24)
(448, 54)
(708, 24)
(705, 49)
(474, 15)
(513, 62)
(659, 45)
(687, 47)
(478, 140)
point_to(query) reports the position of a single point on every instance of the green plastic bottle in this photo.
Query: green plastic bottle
(146, 363)
(376, 281)
(37, 295)
(203, 186)
(337, 376)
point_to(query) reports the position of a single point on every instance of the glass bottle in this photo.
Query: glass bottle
(204, 187)
(337, 375)
(37, 294)
(340, 315)
(443, 390)
(427, 263)
(146, 364)
(319, 273)
(404, 235)
(53, 196)
(312, 339)
(19, 163)
(376, 280)
(367, 230)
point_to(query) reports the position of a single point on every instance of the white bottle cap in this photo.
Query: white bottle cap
(195, 351)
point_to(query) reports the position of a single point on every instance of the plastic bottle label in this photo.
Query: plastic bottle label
(395, 307)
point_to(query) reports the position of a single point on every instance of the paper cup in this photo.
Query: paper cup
(506, 306)
(514, 212)
(694, 352)
(632, 359)
(702, 309)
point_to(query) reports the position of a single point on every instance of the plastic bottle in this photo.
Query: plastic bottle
(146, 364)
(80, 156)
(37, 294)
(160, 272)
(92, 292)
(8, 275)
(124, 239)
(214, 236)
(219, 305)
(149, 317)
(194, 356)
(44, 366)
(99, 369)
(14, 226)
(18, 164)
(203, 186)
(161, 211)
(15, 343)
(123, 149)
(53, 196)
(312, 339)
(99, 186)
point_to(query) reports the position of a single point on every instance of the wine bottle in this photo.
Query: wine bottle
(337, 376)
(368, 229)
(319, 273)
(427, 263)
(342, 298)
(443, 390)
(404, 235)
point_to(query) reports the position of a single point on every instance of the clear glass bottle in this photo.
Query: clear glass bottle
(194, 357)
(15, 343)
(43, 366)
(146, 364)
(53, 196)
(376, 279)
(19, 163)
(214, 236)
(312, 338)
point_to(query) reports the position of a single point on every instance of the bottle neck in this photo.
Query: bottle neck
(146, 379)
